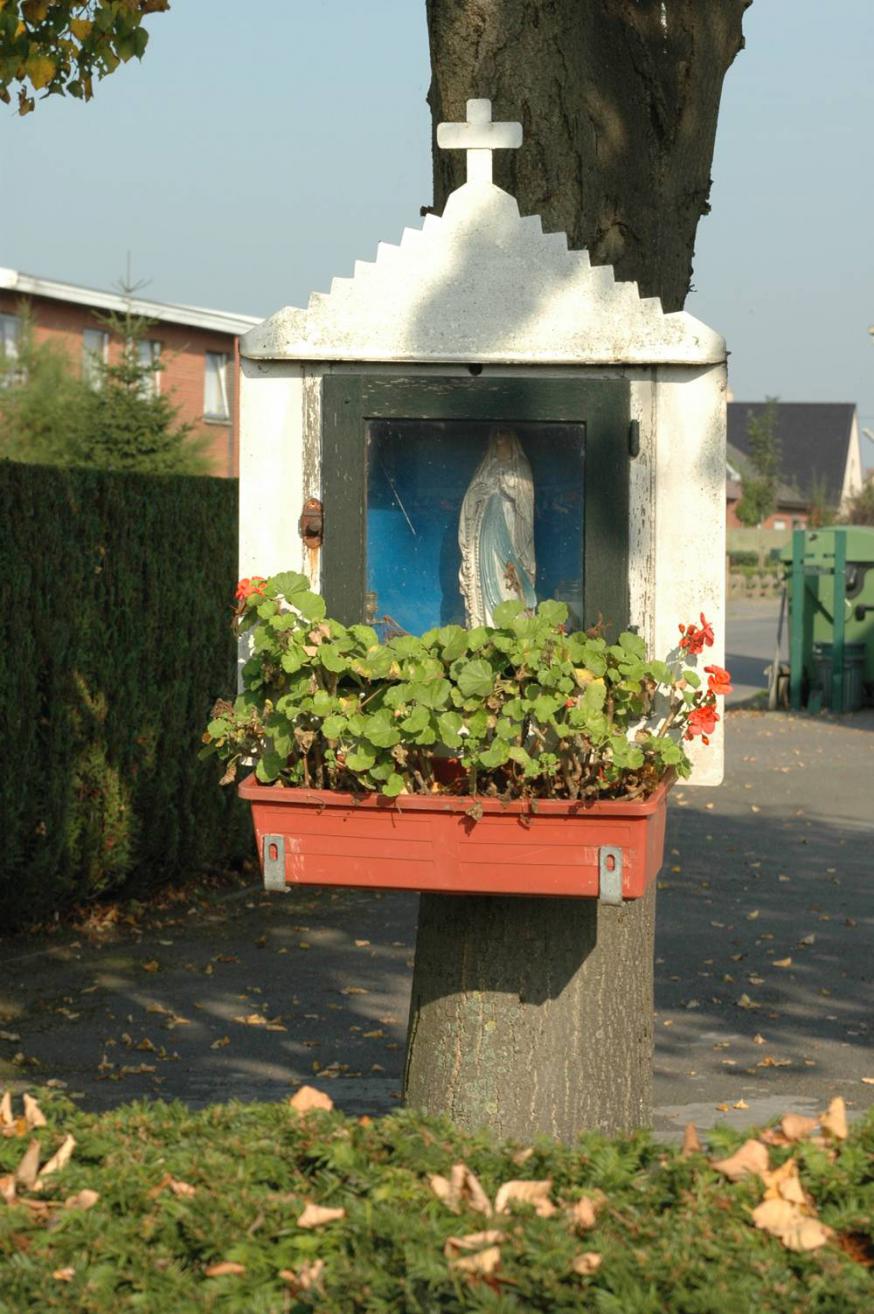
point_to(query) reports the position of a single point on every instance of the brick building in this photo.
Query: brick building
(197, 347)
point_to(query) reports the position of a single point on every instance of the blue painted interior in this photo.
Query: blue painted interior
(418, 472)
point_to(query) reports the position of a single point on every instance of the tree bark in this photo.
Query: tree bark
(533, 1016)
(536, 1015)
(618, 101)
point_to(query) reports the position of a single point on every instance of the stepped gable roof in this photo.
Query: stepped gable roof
(814, 440)
(483, 284)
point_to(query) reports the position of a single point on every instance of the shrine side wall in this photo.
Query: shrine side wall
(676, 512)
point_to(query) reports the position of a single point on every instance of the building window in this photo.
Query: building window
(95, 352)
(149, 355)
(10, 332)
(215, 387)
(779, 524)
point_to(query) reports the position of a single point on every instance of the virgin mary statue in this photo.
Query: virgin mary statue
(496, 531)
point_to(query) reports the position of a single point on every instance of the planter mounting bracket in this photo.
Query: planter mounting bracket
(609, 874)
(274, 862)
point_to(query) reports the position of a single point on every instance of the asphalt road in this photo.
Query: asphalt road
(751, 641)
(763, 969)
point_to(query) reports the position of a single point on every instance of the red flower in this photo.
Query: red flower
(249, 587)
(694, 639)
(720, 680)
(702, 721)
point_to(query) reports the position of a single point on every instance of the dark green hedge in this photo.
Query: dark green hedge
(115, 598)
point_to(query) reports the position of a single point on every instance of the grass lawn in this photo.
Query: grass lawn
(264, 1209)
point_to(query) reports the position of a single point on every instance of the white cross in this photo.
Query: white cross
(479, 137)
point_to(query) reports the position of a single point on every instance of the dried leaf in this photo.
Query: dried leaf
(33, 1114)
(751, 1158)
(64, 1274)
(308, 1098)
(473, 1241)
(84, 1199)
(782, 962)
(795, 1127)
(834, 1120)
(691, 1143)
(226, 1268)
(785, 1184)
(584, 1213)
(7, 1188)
(306, 1277)
(6, 1118)
(466, 1188)
(587, 1264)
(795, 1230)
(317, 1216)
(536, 1193)
(251, 1020)
(184, 1190)
(221, 1043)
(28, 1169)
(59, 1159)
(480, 1265)
(522, 1156)
(151, 966)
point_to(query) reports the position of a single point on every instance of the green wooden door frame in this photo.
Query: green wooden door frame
(350, 400)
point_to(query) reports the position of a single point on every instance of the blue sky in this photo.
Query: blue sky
(260, 149)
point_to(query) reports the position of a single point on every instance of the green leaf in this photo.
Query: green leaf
(310, 605)
(475, 679)
(269, 766)
(393, 786)
(555, 613)
(506, 612)
(449, 724)
(454, 641)
(545, 706)
(332, 657)
(333, 727)
(287, 584)
(692, 678)
(292, 660)
(361, 758)
(417, 720)
(381, 730)
(496, 755)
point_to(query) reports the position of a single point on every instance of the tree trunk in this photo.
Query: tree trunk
(535, 1015)
(618, 101)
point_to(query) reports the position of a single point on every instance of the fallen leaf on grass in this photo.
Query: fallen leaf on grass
(308, 1098)
(752, 1158)
(782, 962)
(587, 1264)
(84, 1199)
(746, 1002)
(251, 1020)
(461, 1187)
(473, 1241)
(534, 1193)
(834, 1121)
(152, 965)
(759, 1039)
(794, 1229)
(317, 1216)
(869, 1081)
(354, 990)
(64, 1274)
(795, 1127)
(522, 1156)
(226, 1268)
(584, 1213)
(28, 1169)
(691, 1142)
(769, 1061)
(306, 1277)
(11, 1036)
(6, 1117)
(480, 1265)
(7, 1188)
(221, 1043)
(58, 1160)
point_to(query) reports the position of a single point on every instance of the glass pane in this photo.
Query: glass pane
(463, 514)
(215, 396)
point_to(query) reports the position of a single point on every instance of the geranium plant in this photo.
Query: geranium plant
(520, 710)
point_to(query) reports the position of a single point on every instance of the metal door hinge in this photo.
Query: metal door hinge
(634, 438)
(609, 874)
(274, 862)
(312, 523)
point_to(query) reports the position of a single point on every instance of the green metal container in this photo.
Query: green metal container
(831, 607)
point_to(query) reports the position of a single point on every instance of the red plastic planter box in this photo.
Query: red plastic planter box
(609, 850)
